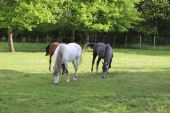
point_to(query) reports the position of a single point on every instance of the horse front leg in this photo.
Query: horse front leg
(94, 57)
(56, 76)
(68, 76)
(110, 62)
(97, 64)
(50, 63)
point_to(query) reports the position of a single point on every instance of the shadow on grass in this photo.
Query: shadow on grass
(157, 77)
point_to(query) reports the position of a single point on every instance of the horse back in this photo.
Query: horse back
(99, 49)
(52, 47)
(74, 48)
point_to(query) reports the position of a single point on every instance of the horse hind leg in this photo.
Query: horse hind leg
(94, 57)
(75, 64)
(97, 64)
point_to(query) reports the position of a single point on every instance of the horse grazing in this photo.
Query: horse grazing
(50, 51)
(104, 51)
(63, 54)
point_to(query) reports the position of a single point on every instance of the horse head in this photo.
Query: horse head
(47, 50)
(56, 75)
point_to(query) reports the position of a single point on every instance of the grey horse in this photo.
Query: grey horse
(103, 51)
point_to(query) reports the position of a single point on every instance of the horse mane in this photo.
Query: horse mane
(59, 57)
(108, 49)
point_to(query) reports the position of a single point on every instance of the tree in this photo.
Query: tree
(27, 14)
(106, 15)
(155, 14)
(96, 15)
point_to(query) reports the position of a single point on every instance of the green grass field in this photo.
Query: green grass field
(138, 82)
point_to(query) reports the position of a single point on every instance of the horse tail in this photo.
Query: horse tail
(91, 45)
(81, 57)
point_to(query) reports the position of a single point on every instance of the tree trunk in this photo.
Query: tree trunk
(126, 41)
(59, 37)
(72, 38)
(154, 42)
(140, 43)
(10, 40)
(47, 39)
(0, 38)
(23, 39)
(37, 39)
(86, 37)
(29, 39)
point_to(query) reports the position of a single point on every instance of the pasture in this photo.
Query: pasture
(138, 82)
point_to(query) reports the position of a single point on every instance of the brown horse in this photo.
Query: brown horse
(50, 51)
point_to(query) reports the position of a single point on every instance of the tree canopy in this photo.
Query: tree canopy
(85, 15)
(21, 14)
(155, 13)
(107, 15)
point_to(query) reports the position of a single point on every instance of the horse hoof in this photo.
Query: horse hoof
(56, 83)
(103, 77)
(67, 80)
(75, 78)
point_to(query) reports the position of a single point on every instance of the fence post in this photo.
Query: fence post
(29, 39)
(154, 42)
(37, 39)
(23, 39)
(47, 39)
(140, 43)
(86, 37)
(126, 41)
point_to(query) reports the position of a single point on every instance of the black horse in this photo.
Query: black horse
(104, 51)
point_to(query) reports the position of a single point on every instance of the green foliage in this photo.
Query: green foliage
(155, 13)
(21, 14)
(105, 15)
(97, 15)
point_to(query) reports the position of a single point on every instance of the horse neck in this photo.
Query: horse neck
(58, 56)
(52, 48)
